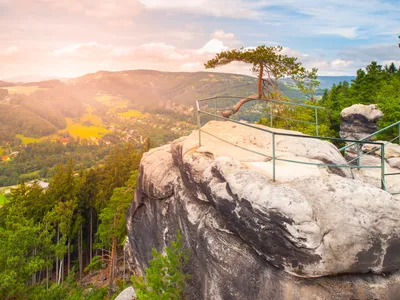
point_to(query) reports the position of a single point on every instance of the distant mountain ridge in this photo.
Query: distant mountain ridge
(32, 78)
(326, 82)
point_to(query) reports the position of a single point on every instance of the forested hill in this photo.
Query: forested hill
(42, 109)
(147, 87)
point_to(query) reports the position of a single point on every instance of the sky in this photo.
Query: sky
(69, 38)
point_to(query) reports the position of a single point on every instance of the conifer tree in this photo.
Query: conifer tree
(165, 278)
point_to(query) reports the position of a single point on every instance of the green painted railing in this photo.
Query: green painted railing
(213, 105)
(375, 149)
(216, 108)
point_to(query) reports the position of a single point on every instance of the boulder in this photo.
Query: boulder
(391, 150)
(127, 294)
(394, 162)
(314, 233)
(359, 120)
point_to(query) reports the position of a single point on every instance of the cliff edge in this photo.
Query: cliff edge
(314, 233)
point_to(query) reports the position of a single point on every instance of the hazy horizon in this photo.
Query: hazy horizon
(60, 38)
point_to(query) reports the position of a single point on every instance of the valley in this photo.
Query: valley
(101, 110)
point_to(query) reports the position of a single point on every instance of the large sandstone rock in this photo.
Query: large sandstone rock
(359, 120)
(127, 294)
(314, 233)
(391, 150)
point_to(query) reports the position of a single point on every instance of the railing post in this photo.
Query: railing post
(199, 124)
(270, 113)
(398, 132)
(273, 156)
(215, 109)
(358, 156)
(383, 184)
(316, 121)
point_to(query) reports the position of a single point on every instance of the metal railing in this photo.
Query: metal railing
(273, 105)
(216, 107)
(360, 154)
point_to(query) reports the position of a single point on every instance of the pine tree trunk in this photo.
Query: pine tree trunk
(58, 241)
(259, 83)
(102, 270)
(47, 277)
(91, 235)
(123, 281)
(60, 271)
(111, 269)
(69, 255)
(80, 255)
(34, 274)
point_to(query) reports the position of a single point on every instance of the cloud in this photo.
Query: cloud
(213, 46)
(388, 62)
(340, 63)
(116, 13)
(377, 52)
(347, 32)
(222, 35)
(237, 9)
(11, 50)
(357, 19)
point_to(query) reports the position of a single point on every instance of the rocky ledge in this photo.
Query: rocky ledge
(359, 120)
(314, 233)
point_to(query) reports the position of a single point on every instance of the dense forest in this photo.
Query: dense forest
(39, 160)
(376, 85)
(49, 236)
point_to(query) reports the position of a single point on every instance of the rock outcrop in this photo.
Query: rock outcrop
(314, 233)
(359, 120)
(127, 294)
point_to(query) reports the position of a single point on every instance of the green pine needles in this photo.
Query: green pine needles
(165, 279)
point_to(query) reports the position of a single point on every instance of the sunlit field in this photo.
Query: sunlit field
(28, 140)
(23, 89)
(77, 129)
(93, 119)
(132, 113)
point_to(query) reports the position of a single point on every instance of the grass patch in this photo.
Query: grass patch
(28, 140)
(77, 129)
(1, 150)
(95, 120)
(23, 89)
(131, 113)
(2, 199)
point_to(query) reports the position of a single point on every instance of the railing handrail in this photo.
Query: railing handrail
(262, 99)
(274, 158)
(290, 134)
